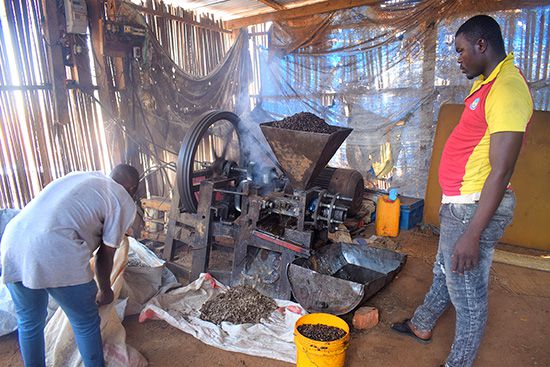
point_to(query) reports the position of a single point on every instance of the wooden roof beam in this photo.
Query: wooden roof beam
(300, 11)
(333, 5)
(167, 15)
(273, 4)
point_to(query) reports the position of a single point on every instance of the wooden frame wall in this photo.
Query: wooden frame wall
(47, 128)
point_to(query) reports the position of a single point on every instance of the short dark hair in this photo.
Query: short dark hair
(125, 174)
(483, 26)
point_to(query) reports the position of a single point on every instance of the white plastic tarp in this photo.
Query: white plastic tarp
(272, 338)
(144, 276)
(8, 320)
(8, 317)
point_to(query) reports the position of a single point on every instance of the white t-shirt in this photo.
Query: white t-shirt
(50, 242)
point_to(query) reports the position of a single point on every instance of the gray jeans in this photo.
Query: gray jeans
(468, 292)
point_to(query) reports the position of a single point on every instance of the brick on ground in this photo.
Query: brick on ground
(365, 318)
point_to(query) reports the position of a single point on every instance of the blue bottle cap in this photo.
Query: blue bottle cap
(392, 194)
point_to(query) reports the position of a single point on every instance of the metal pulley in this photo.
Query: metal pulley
(211, 147)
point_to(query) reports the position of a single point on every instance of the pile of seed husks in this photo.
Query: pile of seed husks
(320, 332)
(305, 121)
(239, 305)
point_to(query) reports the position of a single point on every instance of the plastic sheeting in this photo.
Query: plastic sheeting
(175, 99)
(272, 338)
(8, 320)
(385, 71)
(144, 277)
(5, 216)
(167, 98)
(8, 316)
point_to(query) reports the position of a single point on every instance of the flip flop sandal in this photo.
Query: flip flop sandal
(403, 328)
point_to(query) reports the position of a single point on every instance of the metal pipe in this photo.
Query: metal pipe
(237, 169)
(334, 207)
(230, 192)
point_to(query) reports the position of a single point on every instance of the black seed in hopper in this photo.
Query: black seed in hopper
(305, 121)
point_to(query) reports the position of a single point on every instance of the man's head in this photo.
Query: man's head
(479, 44)
(127, 176)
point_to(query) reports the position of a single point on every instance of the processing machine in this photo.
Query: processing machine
(263, 203)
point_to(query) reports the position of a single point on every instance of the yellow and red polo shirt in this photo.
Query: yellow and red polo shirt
(501, 102)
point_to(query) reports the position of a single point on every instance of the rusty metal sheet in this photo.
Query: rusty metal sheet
(302, 155)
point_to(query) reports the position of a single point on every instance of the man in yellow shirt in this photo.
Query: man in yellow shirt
(478, 203)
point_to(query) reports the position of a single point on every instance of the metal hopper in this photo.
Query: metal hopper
(341, 277)
(302, 155)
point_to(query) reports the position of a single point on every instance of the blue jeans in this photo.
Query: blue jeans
(78, 303)
(468, 292)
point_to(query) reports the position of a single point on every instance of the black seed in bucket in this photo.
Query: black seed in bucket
(320, 332)
(305, 121)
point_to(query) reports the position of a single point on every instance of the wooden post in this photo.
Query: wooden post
(428, 74)
(163, 21)
(103, 72)
(169, 246)
(95, 14)
(54, 28)
(81, 68)
(54, 25)
(426, 109)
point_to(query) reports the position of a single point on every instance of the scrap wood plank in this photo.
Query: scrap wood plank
(157, 203)
(525, 261)
(153, 236)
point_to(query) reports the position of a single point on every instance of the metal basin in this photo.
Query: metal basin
(341, 277)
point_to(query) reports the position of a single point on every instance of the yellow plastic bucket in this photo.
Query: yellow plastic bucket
(313, 353)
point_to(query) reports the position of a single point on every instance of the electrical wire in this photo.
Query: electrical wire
(120, 125)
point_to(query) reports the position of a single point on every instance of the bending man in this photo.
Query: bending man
(46, 249)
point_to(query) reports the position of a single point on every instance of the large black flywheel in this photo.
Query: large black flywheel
(207, 147)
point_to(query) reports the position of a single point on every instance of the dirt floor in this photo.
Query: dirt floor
(516, 335)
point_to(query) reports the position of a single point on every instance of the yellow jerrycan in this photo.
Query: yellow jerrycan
(387, 214)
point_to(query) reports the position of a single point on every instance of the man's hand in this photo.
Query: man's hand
(466, 254)
(104, 297)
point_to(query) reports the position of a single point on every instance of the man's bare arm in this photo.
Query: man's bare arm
(103, 267)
